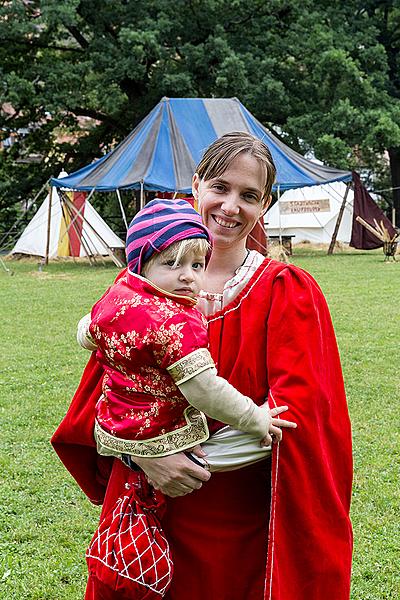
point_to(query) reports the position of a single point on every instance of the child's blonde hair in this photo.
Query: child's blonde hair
(219, 156)
(175, 252)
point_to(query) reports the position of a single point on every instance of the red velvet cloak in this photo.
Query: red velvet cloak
(277, 335)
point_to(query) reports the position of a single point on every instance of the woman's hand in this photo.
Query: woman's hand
(174, 475)
(275, 431)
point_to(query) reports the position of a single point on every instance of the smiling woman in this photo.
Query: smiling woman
(246, 532)
(231, 203)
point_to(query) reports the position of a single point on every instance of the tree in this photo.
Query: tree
(111, 62)
(80, 74)
(352, 83)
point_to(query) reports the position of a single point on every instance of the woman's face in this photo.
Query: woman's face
(231, 204)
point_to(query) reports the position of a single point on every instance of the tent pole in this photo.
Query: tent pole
(89, 246)
(279, 214)
(122, 209)
(85, 241)
(339, 219)
(111, 254)
(141, 195)
(393, 216)
(92, 191)
(66, 232)
(77, 213)
(46, 258)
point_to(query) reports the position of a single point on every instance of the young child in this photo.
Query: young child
(160, 379)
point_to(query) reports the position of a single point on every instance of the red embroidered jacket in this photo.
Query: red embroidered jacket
(144, 336)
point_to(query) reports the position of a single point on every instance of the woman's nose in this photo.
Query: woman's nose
(230, 205)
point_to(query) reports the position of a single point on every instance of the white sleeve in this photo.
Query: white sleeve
(220, 400)
(83, 335)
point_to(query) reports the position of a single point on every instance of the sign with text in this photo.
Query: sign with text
(293, 207)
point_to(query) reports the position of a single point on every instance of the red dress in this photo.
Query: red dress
(228, 542)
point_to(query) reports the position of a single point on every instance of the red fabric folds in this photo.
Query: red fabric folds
(277, 336)
(75, 231)
(74, 442)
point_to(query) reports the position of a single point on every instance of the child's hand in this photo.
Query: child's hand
(275, 431)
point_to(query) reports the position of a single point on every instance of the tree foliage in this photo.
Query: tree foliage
(80, 74)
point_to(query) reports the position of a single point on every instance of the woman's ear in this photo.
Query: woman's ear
(195, 186)
(266, 204)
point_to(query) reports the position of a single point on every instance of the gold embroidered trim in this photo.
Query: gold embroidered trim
(194, 432)
(191, 365)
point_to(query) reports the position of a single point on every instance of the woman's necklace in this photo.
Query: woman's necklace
(244, 260)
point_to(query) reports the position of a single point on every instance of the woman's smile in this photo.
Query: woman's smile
(224, 222)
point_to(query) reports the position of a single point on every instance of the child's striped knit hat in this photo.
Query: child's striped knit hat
(158, 225)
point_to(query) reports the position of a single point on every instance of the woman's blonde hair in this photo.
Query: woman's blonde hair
(219, 156)
(199, 247)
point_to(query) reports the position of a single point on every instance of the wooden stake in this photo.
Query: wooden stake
(122, 209)
(339, 220)
(374, 231)
(46, 257)
(141, 195)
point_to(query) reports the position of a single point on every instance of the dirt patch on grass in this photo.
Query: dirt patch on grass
(44, 275)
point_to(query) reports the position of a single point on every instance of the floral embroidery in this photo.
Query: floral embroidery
(163, 306)
(187, 367)
(194, 432)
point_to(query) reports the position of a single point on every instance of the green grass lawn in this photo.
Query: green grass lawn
(46, 522)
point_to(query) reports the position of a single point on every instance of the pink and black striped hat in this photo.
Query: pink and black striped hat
(158, 225)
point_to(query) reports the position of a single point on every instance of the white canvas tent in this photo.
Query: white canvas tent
(95, 236)
(311, 213)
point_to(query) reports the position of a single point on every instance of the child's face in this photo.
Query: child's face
(186, 279)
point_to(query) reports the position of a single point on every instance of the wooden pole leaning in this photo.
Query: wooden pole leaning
(46, 257)
(339, 219)
(141, 194)
(121, 206)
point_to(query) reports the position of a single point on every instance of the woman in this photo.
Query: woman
(274, 530)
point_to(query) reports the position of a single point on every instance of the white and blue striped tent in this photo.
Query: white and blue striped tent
(161, 153)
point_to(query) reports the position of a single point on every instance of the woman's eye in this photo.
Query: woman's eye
(218, 187)
(250, 198)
